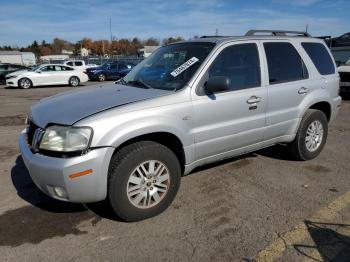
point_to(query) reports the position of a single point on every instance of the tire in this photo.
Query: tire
(25, 83)
(308, 145)
(101, 77)
(74, 81)
(153, 196)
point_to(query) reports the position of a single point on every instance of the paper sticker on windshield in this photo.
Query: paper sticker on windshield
(184, 66)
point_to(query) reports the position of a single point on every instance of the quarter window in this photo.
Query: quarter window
(284, 63)
(320, 57)
(240, 63)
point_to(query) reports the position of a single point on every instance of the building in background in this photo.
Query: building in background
(57, 59)
(147, 50)
(84, 52)
(66, 52)
(17, 57)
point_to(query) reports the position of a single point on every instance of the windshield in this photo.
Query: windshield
(105, 65)
(170, 67)
(341, 56)
(34, 68)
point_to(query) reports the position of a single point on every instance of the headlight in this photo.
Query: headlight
(9, 77)
(66, 138)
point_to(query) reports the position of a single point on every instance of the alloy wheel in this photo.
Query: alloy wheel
(314, 136)
(148, 184)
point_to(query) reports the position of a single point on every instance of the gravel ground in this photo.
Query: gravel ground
(259, 207)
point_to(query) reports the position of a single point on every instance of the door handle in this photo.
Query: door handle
(303, 90)
(253, 100)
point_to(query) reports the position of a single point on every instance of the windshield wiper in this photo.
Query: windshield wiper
(139, 83)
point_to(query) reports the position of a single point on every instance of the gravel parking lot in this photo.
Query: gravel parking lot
(258, 207)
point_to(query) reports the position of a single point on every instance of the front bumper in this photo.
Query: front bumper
(12, 82)
(92, 76)
(51, 172)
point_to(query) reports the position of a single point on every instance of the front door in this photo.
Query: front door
(233, 119)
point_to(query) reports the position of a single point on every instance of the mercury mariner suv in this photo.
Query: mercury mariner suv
(188, 104)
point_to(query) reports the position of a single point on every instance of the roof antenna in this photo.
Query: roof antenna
(307, 28)
(216, 32)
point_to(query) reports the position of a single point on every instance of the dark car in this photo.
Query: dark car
(109, 71)
(9, 68)
(343, 40)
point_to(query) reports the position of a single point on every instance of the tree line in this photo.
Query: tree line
(122, 46)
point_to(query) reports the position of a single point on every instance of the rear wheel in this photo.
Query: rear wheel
(74, 81)
(25, 83)
(311, 136)
(144, 178)
(102, 77)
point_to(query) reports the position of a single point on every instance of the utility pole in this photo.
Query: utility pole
(110, 28)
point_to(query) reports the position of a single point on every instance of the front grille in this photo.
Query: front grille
(344, 77)
(34, 135)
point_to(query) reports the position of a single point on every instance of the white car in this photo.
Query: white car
(344, 74)
(78, 64)
(51, 74)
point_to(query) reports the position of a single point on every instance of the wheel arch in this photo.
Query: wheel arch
(19, 80)
(167, 139)
(324, 107)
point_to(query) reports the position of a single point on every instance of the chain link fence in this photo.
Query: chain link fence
(97, 60)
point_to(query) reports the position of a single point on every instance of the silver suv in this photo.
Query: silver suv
(188, 104)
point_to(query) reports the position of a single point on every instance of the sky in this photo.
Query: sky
(23, 21)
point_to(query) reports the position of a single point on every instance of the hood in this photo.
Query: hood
(17, 73)
(96, 68)
(69, 107)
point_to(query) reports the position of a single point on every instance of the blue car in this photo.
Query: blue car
(109, 71)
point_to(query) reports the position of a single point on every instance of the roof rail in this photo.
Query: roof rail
(212, 36)
(277, 33)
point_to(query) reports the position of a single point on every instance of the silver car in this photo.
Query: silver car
(188, 104)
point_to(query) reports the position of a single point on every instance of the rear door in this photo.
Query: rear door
(61, 75)
(234, 119)
(288, 85)
(123, 70)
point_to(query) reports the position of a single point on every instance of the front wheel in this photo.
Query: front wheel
(311, 136)
(74, 81)
(101, 77)
(144, 178)
(25, 83)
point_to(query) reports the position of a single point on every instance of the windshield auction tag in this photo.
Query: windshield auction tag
(184, 66)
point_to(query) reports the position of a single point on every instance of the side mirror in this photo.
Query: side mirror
(217, 84)
(38, 71)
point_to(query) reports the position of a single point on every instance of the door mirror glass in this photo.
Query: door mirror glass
(217, 84)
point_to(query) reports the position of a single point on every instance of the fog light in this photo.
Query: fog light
(60, 192)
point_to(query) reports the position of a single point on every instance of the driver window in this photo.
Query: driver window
(240, 63)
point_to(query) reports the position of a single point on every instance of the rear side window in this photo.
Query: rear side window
(70, 63)
(320, 57)
(240, 63)
(78, 63)
(284, 63)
